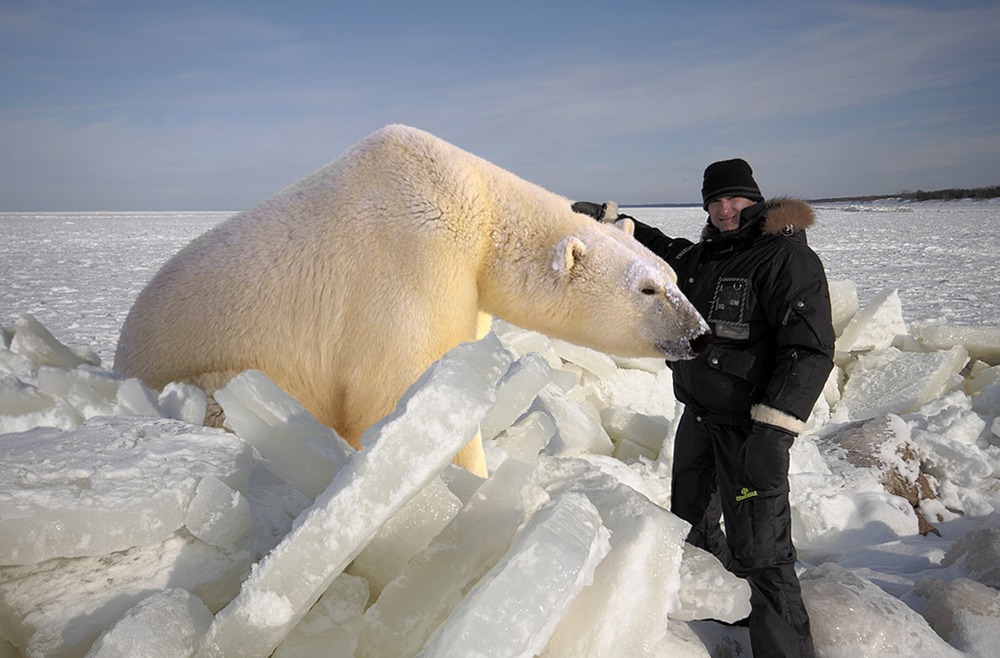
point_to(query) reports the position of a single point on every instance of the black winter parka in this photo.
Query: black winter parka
(764, 293)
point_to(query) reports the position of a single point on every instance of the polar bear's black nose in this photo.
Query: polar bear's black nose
(699, 343)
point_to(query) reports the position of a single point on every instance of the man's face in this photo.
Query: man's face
(724, 212)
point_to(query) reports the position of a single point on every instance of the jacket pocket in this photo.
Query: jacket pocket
(807, 319)
(763, 531)
(736, 363)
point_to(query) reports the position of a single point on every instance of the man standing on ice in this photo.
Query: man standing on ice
(764, 293)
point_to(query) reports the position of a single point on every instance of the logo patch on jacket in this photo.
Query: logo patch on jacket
(729, 310)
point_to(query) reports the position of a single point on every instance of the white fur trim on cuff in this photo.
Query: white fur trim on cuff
(771, 416)
(610, 213)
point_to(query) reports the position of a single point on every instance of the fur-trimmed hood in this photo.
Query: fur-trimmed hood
(786, 215)
(778, 216)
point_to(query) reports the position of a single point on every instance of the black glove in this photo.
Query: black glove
(594, 210)
(604, 212)
(764, 457)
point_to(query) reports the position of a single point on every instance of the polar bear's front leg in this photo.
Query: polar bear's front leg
(471, 457)
(484, 324)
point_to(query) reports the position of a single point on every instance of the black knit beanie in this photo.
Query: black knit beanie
(729, 178)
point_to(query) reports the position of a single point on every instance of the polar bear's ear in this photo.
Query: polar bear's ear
(626, 224)
(568, 252)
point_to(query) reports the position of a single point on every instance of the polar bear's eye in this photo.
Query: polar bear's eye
(648, 291)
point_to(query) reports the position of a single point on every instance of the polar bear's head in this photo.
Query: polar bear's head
(592, 284)
(619, 298)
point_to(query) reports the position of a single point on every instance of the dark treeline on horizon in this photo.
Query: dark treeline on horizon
(920, 195)
(991, 192)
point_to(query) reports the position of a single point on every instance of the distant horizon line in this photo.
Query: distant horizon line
(981, 193)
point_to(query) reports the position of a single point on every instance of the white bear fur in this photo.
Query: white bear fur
(346, 286)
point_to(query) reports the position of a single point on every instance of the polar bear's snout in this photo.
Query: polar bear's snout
(700, 342)
(689, 334)
(683, 349)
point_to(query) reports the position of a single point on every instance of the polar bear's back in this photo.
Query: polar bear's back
(277, 284)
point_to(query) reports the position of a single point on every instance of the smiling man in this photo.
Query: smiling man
(764, 294)
(729, 188)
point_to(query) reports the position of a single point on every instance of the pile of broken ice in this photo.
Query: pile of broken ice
(128, 529)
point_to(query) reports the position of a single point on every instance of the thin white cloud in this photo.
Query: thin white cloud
(874, 56)
(234, 96)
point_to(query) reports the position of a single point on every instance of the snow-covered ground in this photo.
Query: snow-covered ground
(78, 273)
(125, 523)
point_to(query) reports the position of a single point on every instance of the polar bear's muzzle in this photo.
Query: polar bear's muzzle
(700, 342)
(686, 348)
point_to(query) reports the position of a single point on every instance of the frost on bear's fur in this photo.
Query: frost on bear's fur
(346, 286)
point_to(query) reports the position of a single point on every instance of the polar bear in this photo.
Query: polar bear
(346, 286)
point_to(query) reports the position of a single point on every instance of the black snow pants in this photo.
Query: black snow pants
(757, 543)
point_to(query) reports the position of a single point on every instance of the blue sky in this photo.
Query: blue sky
(140, 105)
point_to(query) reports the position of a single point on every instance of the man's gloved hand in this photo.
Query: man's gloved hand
(764, 457)
(594, 210)
(602, 212)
